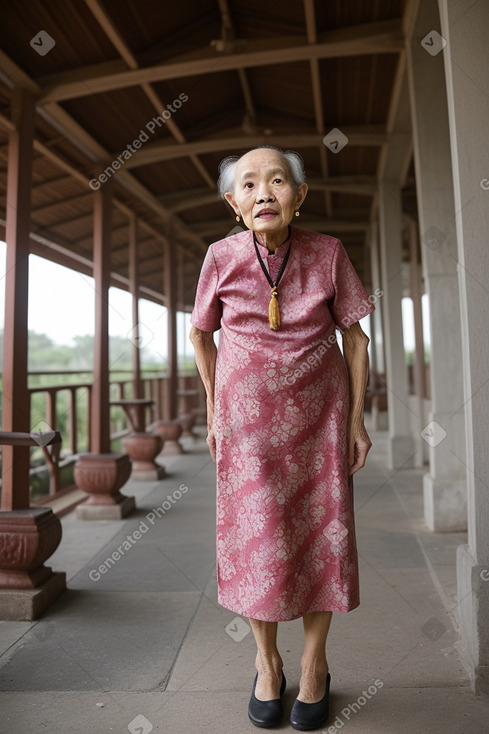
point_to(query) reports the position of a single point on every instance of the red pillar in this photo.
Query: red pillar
(170, 288)
(134, 290)
(28, 536)
(15, 459)
(101, 474)
(102, 229)
(142, 446)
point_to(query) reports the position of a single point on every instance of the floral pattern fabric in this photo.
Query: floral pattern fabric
(285, 526)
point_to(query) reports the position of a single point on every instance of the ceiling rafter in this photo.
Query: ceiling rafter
(394, 159)
(46, 208)
(157, 152)
(311, 30)
(383, 37)
(228, 34)
(112, 33)
(74, 132)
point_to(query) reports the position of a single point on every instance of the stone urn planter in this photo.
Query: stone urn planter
(187, 421)
(142, 449)
(27, 539)
(102, 476)
(169, 432)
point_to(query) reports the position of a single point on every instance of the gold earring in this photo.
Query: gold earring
(297, 214)
(238, 218)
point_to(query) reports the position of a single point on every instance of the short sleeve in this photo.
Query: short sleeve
(350, 302)
(207, 311)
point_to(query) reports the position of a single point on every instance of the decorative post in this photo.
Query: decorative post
(102, 473)
(28, 535)
(141, 445)
(170, 429)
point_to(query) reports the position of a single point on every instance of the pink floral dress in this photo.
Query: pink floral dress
(285, 527)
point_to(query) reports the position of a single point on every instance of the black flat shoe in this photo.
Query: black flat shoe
(266, 713)
(308, 716)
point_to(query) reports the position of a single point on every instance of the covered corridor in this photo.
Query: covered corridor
(146, 638)
(114, 116)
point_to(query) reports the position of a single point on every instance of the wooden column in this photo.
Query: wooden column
(141, 445)
(101, 474)
(102, 227)
(134, 290)
(15, 459)
(170, 288)
(28, 536)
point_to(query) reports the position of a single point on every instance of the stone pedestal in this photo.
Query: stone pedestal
(102, 476)
(142, 449)
(187, 421)
(169, 432)
(27, 539)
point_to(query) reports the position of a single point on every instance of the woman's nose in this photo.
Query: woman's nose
(264, 196)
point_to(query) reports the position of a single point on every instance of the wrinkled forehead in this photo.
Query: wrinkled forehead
(261, 160)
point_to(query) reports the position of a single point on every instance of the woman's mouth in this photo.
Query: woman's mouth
(266, 214)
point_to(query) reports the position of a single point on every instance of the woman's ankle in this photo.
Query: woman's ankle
(270, 664)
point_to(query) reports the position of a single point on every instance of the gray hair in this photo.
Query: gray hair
(227, 167)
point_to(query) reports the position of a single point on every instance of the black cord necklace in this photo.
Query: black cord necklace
(273, 309)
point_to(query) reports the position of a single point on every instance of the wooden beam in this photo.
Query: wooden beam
(72, 131)
(181, 200)
(384, 37)
(109, 28)
(369, 135)
(61, 202)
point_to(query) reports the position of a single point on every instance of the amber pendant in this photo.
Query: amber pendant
(274, 311)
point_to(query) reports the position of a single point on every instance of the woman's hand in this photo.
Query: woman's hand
(359, 444)
(211, 439)
(205, 357)
(355, 344)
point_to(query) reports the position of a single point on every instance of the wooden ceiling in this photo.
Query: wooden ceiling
(222, 76)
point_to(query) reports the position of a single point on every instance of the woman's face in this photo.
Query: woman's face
(265, 195)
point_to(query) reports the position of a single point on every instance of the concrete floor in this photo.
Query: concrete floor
(144, 646)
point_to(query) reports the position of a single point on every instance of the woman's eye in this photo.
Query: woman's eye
(248, 185)
(278, 180)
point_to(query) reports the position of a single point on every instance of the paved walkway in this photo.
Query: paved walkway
(141, 645)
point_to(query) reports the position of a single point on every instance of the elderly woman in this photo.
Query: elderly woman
(285, 422)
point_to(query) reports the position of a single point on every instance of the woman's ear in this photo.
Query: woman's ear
(302, 190)
(232, 202)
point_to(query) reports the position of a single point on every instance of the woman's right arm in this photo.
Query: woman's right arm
(205, 357)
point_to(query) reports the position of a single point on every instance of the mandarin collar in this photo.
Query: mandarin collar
(281, 250)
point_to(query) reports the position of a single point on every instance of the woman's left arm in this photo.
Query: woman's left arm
(355, 343)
